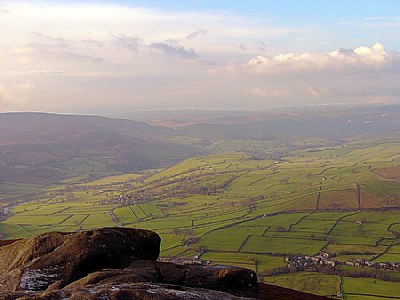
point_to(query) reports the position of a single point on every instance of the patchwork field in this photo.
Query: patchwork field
(249, 211)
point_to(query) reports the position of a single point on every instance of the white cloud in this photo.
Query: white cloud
(342, 60)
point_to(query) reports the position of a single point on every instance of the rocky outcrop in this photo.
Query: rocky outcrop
(234, 280)
(138, 271)
(113, 263)
(36, 263)
(110, 263)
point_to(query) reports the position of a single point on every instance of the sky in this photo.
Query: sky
(115, 57)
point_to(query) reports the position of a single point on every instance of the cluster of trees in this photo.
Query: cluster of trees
(357, 272)
(372, 273)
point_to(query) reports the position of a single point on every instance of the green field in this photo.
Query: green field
(361, 288)
(325, 285)
(234, 208)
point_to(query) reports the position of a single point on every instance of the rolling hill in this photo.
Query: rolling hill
(39, 148)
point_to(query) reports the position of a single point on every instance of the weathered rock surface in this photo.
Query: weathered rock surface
(124, 291)
(138, 271)
(35, 263)
(234, 280)
(117, 264)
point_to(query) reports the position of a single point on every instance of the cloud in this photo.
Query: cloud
(54, 42)
(93, 42)
(38, 51)
(33, 73)
(262, 46)
(373, 58)
(269, 93)
(196, 33)
(4, 96)
(309, 90)
(26, 86)
(15, 97)
(45, 47)
(257, 92)
(116, 57)
(132, 43)
(275, 93)
(174, 49)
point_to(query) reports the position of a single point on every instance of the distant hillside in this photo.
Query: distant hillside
(339, 123)
(335, 122)
(44, 148)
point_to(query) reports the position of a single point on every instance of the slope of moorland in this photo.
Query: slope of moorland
(40, 149)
